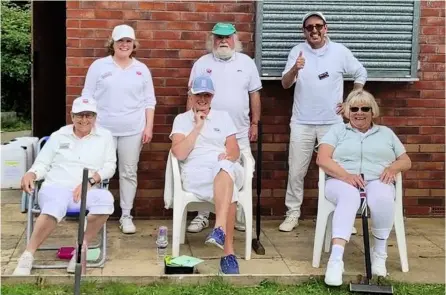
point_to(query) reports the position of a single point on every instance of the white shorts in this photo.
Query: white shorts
(201, 181)
(56, 201)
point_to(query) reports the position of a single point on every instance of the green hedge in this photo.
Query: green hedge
(16, 57)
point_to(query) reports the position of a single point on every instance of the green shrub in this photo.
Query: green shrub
(16, 57)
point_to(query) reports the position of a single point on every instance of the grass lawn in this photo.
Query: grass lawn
(213, 288)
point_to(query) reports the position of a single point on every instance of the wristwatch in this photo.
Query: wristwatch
(91, 181)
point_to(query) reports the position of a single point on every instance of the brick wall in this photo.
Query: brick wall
(172, 35)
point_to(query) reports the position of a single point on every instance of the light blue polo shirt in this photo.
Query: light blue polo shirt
(368, 153)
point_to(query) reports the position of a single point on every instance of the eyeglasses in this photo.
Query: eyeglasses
(363, 109)
(221, 37)
(87, 115)
(318, 27)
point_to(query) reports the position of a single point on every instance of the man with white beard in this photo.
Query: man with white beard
(237, 84)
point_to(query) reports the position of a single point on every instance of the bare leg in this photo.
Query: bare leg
(340, 242)
(94, 225)
(230, 222)
(43, 227)
(223, 189)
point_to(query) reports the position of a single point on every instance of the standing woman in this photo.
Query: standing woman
(126, 101)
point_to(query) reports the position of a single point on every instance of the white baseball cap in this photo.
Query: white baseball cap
(123, 31)
(84, 104)
(316, 13)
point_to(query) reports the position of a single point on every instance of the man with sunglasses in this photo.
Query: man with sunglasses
(237, 91)
(317, 67)
(60, 163)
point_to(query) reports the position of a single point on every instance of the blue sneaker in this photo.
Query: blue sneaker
(229, 265)
(216, 237)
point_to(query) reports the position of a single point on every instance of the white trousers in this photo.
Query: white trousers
(380, 200)
(245, 147)
(302, 143)
(56, 201)
(128, 149)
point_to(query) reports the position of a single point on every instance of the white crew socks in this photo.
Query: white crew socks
(125, 212)
(337, 252)
(380, 246)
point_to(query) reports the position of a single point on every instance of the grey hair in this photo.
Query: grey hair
(210, 43)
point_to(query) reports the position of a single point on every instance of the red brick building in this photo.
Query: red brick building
(172, 35)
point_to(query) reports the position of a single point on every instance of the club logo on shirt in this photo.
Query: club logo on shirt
(64, 145)
(208, 71)
(105, 75)
(217, 129)
(239, 71)
(138, 73)
(85, 100)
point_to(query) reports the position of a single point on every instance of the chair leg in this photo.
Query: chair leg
(321, 224)
(328, 233)
(176, 231)
(24, 203)
(401, 239)
(183, 227)
(248, 230)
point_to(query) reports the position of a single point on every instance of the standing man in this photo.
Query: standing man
(317, 67)
(237, 85)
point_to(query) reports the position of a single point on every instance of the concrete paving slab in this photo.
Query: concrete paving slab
(124, 267)
(11, 212)
(9, 196)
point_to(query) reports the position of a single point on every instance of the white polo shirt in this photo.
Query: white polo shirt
(123, 95)
(320, 84)
(211, 141)
(63, 158)
(233, 80)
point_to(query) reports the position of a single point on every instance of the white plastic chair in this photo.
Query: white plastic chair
(185, 201)
(325, 214)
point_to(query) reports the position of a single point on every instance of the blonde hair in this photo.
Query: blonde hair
(238, 46)
(357, 97)
(111, 50)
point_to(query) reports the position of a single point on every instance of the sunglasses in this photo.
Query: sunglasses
(318, 27)
(87, 115)
(363, 109)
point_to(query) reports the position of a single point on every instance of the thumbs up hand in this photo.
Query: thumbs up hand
(300, 62)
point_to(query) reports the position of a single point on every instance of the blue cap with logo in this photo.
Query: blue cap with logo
(202, 84)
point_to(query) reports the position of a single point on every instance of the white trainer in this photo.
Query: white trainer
(24, 265)
(378, 263)
(333, 274)
(71, 268)
(290, 222)
(199, 223)
(126, 224)
(354, 231)
(239, 226)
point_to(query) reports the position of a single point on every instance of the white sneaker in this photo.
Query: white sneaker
(239, 226)
(126, 224)
(333, 274)
(378, 264)
(24, 265)
(290, 222)
(71, 268)
(199, 223)
(354, 231)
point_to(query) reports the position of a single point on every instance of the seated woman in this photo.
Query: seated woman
(345, 152)
(204, 142)
(60, 163)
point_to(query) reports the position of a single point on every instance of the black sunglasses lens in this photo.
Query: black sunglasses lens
(310, 28)
(354, 109)
(365, 109)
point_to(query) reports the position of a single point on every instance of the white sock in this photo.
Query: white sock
(126, 212)
(380, 246)
(204, 214)
(337, 252)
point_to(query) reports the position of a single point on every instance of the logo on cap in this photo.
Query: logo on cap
(138, 73)
(208, 71)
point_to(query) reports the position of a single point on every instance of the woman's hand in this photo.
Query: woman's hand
(354, 180)
(147, 135)
(78, 191)
(388, 175)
